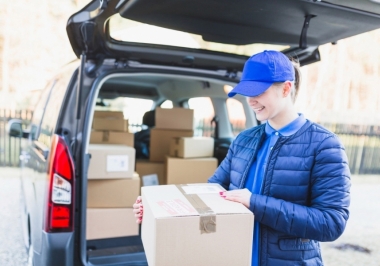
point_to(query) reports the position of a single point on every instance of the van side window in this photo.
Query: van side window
(52, 109)
(203, 114)
(39, 110)
(236, 115)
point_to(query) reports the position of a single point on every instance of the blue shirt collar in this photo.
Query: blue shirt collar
(289, 129)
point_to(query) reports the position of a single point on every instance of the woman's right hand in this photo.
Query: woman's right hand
(138, 210)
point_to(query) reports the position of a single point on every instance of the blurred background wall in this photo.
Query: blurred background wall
(341, 91)
(33, 45)
(344, 86)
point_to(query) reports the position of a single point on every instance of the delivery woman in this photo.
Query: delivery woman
(290, 172)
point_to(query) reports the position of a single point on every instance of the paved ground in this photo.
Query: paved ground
(363, 227)
(359, 245)
(12, 248)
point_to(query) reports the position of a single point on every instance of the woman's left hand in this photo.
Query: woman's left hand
(239, 195)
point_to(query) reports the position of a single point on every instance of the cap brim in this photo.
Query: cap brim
(250, 88)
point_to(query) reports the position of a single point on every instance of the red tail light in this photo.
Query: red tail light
(60, 196)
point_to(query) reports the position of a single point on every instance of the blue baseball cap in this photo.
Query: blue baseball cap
(261, 71)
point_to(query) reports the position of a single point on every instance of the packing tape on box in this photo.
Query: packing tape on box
(106, 136)
(207, 222)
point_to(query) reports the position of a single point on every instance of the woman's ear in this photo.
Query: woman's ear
(286, 89)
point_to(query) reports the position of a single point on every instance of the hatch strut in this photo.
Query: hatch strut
(87, 34)
(303, 38)
(80, 83)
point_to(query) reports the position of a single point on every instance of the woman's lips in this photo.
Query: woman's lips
(257, 110)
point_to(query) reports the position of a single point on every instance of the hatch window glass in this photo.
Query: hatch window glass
(122, 29)
(203, 114)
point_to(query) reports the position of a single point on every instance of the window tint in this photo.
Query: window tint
(203, 114)
(236, 115)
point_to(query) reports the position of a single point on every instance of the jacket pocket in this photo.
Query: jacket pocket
(296, 244)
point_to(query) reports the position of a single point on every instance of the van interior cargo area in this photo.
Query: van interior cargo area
(158, 87)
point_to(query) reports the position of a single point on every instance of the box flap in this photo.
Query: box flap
(170, 201)
(222, 206)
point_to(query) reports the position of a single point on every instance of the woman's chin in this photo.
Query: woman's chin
(261, 117)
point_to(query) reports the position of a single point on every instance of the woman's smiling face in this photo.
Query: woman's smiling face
(268, 105)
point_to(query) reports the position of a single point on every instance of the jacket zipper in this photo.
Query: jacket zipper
(262, 184)
(250, 162)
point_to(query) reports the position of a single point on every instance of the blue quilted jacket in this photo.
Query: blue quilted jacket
(305, 193)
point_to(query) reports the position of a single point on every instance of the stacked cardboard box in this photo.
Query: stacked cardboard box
(190, 160)
(147, 168)
(109, 120)
(194, 147)
(109, 127)
(113, 186)
(193, 225)
(169, 123)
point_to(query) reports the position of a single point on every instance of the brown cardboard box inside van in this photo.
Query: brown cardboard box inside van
(115, 114)
(194, 170)
(110, 222)
(110, 123)
(160, 142)
(175, 118)
(192, 147)
(145, 167)
(111, 161)
(112, 137)
(113, 193)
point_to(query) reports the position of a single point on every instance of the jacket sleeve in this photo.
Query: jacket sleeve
(325, 219)
(222, 173)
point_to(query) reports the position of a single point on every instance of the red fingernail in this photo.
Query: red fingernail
(223, 196)
(221, 192)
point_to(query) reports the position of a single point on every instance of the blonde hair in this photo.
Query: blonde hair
(295, 83)
(297, 79)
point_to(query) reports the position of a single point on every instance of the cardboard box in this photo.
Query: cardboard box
(112, 137)
(174, 233)
(111, 161)
(115, 114)
(160, 142)
(193, 147)
(175, 118)
(145, 167)
(110, 123)
(111, 222)
(195, 170)
(113, 193)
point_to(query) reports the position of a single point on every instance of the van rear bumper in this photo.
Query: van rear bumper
(57, 249)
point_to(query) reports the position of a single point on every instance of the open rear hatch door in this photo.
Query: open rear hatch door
(297, 27)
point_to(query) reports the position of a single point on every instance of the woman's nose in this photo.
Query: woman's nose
(252, 100)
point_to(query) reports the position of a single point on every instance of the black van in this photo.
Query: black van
(152, 53)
